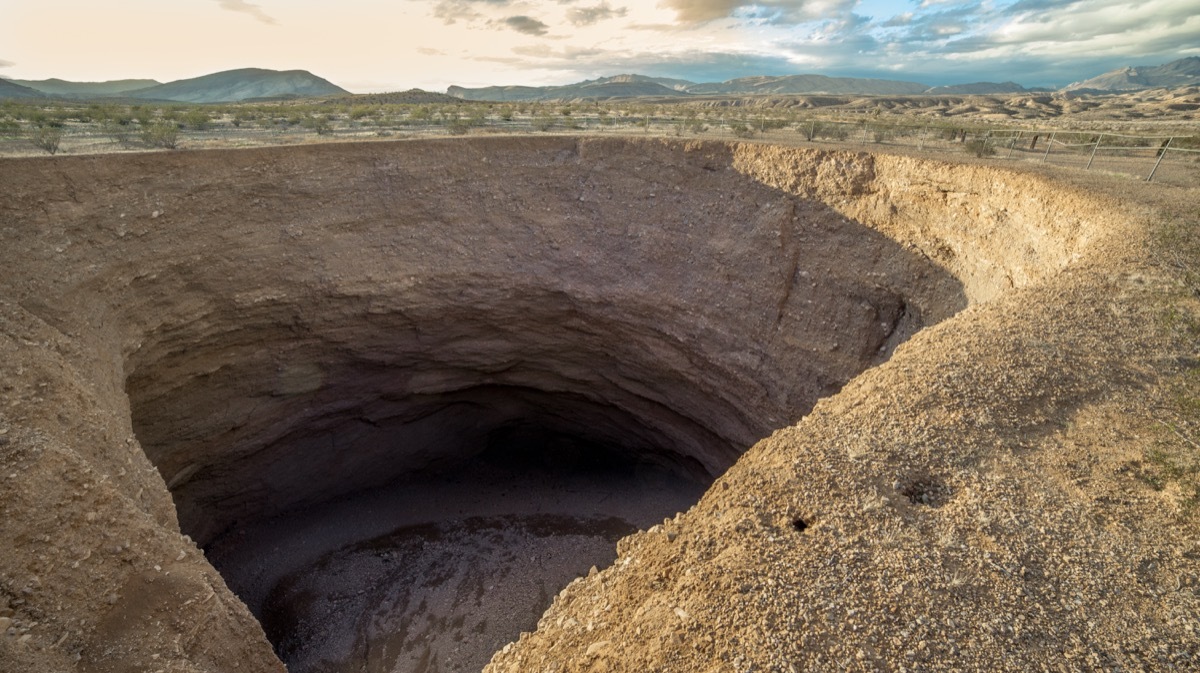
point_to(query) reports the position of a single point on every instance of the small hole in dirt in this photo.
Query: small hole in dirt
(800, 525)
(927, 492)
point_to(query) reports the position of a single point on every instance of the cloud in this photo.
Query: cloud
(541, 51)
(586, 16)
(453, 11)
(430, 51)
(6, 64)
(770, 11)
(247, 8)
(527, 25)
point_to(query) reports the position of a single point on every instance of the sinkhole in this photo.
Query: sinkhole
(414, 389)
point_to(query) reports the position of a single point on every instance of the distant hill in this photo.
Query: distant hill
(10, 89)
(620, 86)
(59, 87)
(1184, 72)
(412, 96)
(978, 88)
(806, 84)
(633, 86)
(239, 85)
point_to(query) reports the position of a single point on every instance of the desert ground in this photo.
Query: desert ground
(869, 407)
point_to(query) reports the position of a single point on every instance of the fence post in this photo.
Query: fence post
(921, 141)
(1049, 144)
(1093, 157)
(1162, 153)
(1013, 143)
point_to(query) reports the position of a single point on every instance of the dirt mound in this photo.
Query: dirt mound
(240, 336)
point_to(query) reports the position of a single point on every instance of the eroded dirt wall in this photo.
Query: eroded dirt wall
(228, 289)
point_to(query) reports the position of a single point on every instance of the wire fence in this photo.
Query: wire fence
(1170, 158)
(1173, 159)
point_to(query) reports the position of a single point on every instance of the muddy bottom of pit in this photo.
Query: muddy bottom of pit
(436, 573)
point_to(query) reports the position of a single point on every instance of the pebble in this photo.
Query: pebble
(5, 622)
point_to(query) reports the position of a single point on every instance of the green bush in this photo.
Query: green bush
(196, 119)
(741, 130)
(318, 124)
(47, 138)
(117, 129)
(162, 134)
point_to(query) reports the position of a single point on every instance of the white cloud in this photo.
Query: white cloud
(247, 8)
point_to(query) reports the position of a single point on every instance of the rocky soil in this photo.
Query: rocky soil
(956, 373)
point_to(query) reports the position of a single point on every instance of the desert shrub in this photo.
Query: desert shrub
(980, 147)
(9, 127)
(118, 129)
(543, 122)
(506, 114)
(319, 124)
(741, 130)
(142, 114)
(164, 134)
(477, 117)
(196, 119)
(361, 111)
(458, 127)
(833, 131)
(47, 138)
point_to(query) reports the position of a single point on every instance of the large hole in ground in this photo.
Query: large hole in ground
(420, 388)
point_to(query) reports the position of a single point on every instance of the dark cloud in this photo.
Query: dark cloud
(527, 25)
(247, 8)
(586, 16)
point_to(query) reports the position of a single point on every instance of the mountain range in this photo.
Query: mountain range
(258, 84)
(1184, 72)
(65, 89)
(230, 86)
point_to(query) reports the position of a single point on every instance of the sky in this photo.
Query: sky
(391, 45)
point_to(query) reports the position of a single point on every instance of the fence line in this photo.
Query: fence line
(1122, 152)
